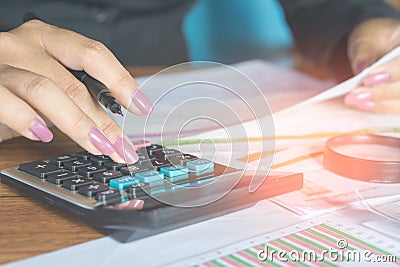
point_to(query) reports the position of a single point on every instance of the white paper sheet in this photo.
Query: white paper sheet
(346, 86)
(229, 95)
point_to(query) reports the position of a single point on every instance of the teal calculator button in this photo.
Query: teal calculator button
(158, 191)
(172, 171)
(200, 165)
(122, 182)
(149, 176)
(156, 183)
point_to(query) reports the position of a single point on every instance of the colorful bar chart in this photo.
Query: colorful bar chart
(331, 241)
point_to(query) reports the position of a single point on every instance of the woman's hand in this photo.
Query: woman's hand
(369, 41)
(34, 81)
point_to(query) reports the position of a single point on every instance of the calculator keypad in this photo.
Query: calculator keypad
(158, 170)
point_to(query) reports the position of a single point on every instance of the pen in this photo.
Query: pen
(99, 91)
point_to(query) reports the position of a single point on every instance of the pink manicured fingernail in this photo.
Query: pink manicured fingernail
(142, 102)
(126, 150)
(101, 142)
(40, 130)
(141, 143)
(362, 66)
(362, 100)
(134, 204)
(376, 78)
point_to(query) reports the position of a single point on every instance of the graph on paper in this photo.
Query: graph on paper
(328, 241)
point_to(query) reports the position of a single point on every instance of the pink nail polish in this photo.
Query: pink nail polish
(362, 66)
(40, 130)
(141, 101)
(134, 204)
(141, 143)
(101, 142)
(126, 150)
(362, 100)
(376, 78)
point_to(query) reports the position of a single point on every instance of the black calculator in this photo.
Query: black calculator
(166, 189)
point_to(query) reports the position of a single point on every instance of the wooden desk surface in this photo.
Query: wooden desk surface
(29, 227)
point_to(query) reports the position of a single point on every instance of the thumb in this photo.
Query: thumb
(370, 40)
(361, 55)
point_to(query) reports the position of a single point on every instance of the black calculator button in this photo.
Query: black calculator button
(110, 196)
(189, 157)
(106, 176)
(74, 165)
(58, 178)
(159, 163)
(110, 165)
(101, 159)
(180, 159)
(142, 152)
(88, 171)
(84, 155)
(92, 190)
(154, 148)
(174, 159)
(144, 157)
(74, 184)
(39, 168)
(186, 158)
(146, 164)
(132, 169)
(63, 159)
(137, 190)
(165, 153)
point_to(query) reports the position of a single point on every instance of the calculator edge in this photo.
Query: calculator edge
(125, 231)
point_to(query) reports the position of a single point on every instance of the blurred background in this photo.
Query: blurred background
(231, 31)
